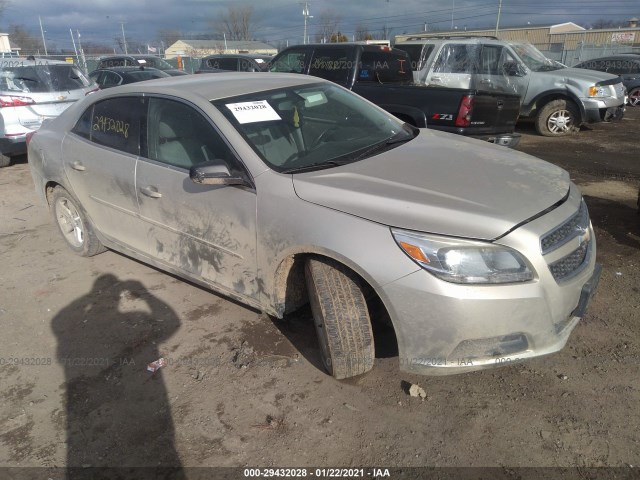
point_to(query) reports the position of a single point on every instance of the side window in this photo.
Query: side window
(247, 65)
(619, 67)
(385, 67)
(115, 123)
(291, 62)
(83, 126)
(332, 65)
(230, 64)
(110, 79)
(490, 60)
(456, 58)
(180, 136)
(635, 67)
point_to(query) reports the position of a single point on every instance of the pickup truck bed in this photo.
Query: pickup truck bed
(383, 76)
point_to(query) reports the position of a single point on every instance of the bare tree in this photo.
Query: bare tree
(169, 36)
(236, 24)
(328, 23)
(29, 44)
(362, 33)
(603, 24)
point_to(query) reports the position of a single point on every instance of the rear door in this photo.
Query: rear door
(100, 155)
(454, 66)
(206, 231)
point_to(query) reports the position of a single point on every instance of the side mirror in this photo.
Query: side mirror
(512, 69)
(214, 174)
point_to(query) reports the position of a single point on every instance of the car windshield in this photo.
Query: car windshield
(534, 59)
(41, 78)
(312, 126)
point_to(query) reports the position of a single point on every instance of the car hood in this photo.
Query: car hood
(580, 74)
(440, 183)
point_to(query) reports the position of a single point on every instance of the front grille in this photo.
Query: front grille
(576, 229)
(567, 231)
(570, 265)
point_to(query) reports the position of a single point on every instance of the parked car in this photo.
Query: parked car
(558, 99)
(112, 61)
(234, 63)
(274, 189)
(112, 77)
(627, 66)
(31, 91)
(383, 76)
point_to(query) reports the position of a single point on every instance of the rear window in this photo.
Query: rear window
(141, 75)
(42, 78)
(332, 65)
(417, 53)
(385, 67)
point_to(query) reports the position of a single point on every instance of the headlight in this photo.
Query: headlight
(595, 91)
(464, 261)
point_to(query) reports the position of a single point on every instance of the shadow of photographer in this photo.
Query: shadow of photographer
(117, 413)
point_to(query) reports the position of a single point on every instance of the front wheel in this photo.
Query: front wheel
(73, 224)
(634, 97)
(558, 118)
(341, 318)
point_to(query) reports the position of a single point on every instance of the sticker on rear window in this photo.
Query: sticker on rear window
(250, 112)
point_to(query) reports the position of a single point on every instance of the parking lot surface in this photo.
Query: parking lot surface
(241, 389)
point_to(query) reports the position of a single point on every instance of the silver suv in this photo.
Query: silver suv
(32, 90)
(558, 99)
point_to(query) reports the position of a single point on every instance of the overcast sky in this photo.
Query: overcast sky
(278, 21)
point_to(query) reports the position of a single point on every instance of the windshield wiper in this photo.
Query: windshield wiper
(314, 166)
(397, 138)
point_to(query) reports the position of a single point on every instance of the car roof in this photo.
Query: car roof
(617, 56)
(214, 87)
(125, 69)
(28, 61)
(127, 55)
(235, 55)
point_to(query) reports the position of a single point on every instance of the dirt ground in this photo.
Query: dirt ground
(241, 389)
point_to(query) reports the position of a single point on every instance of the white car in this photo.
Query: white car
(280, 189)
(31, 91)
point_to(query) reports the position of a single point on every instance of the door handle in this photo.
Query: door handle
(151, 191)
(436, 79)
(485, 81)
(78, 166)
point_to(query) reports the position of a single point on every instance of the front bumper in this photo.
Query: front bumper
(444, 328)
(598, 111)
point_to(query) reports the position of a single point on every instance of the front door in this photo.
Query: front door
(206, 231)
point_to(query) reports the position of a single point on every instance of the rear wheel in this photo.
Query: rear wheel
(73, 224)
(634, 97)
(5, 161)
(341, 318)
(558, 118)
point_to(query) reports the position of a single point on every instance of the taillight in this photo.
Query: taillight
(11, 101)
(28, 137)
(464, 111)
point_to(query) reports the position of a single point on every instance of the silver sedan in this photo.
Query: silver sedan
(280, 190)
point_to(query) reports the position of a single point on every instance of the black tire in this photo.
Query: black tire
(341, 318)
(558, 118)
(5, 161)
(633, 98)
(73, 224)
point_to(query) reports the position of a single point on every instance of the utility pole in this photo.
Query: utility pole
(498, 19)
(124, 39)
(453, 9)
(74, 43)
(305, 14)
(44, 43)
(83, 59)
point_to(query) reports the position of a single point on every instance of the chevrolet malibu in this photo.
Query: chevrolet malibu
(283, 190)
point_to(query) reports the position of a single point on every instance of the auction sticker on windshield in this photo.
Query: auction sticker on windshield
(250, 112)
